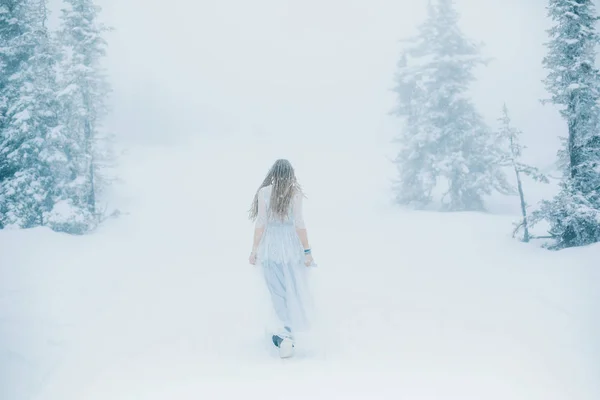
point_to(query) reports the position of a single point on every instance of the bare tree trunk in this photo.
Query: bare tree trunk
(91, 195)
(569, 235)
(89, 150)
(526, 236)
(571, 140)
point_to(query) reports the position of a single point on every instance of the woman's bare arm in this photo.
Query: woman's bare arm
(258, 232)
(303, 235)
(261, 220)
(302, 232)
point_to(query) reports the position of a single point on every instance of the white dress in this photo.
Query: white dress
(281, 256)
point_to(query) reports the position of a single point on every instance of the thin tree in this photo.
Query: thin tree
(509, 139)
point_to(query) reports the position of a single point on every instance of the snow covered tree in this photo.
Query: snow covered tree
(83, 95)
(444, 136)
(415, 161)
(508, 138)
(573, 83)
(13, 23)
(416, 168)
(30, 154)
(51, 104)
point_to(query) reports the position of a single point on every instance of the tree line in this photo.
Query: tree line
(446, 142)
(53, 97)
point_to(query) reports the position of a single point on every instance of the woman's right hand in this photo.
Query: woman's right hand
(252, 258)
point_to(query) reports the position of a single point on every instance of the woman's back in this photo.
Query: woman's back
(293, 217)
(280, 242)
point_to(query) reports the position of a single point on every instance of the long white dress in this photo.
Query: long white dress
(281, 256)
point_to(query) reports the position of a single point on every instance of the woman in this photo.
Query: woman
(281, 246)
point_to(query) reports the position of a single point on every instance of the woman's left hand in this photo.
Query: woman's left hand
(308, 260)
(252, 258)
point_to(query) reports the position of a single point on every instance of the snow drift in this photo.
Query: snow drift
(161, 302)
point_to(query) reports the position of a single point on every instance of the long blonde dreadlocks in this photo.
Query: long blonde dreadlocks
(282, 177)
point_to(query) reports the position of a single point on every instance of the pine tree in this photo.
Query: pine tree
(13, 23)
(444, 135)
(508, 139)
(572, 81)
(83, 101)
(30, 122)
(415, 160)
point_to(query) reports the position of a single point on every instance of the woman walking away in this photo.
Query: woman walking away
(281, 248)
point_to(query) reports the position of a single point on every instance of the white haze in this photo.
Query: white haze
(314, 71)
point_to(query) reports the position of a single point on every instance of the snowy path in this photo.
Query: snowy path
(161, 304)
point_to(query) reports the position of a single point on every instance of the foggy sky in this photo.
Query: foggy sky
(316, 70)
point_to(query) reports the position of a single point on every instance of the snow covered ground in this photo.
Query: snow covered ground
(162, 304)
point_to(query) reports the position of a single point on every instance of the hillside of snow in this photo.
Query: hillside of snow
(161, 303)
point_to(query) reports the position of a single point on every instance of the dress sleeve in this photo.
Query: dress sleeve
(261, 218)
(298, 212)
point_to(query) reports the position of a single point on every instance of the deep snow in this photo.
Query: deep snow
(161, 303)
